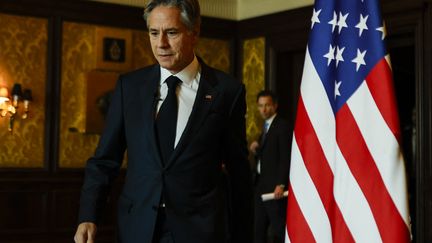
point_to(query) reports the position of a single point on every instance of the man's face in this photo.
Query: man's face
(266, 107)
(172, 43)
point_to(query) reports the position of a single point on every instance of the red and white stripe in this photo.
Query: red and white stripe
(347, 177)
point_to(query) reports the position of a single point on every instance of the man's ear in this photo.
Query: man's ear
(196, 32)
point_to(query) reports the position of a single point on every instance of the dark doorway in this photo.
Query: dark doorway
(286, 83)
(403, 62)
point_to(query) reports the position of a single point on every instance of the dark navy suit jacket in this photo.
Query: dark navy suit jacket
(198, 207)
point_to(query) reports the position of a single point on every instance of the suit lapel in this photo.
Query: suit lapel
(150, 94)
(204, 100)
(270, 130)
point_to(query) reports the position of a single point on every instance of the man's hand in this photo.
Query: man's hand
(278, 192)
(85, 233)
(253, 147)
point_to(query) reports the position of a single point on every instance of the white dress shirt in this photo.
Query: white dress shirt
(270, 121)
(186, 93)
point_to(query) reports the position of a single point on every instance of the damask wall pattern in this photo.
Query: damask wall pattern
(142, 50)
(254, 80)
(23, 58)
(78, 58)
(215, 53)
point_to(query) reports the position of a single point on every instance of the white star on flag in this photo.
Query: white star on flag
(339, 53)
(333, 22)
(342, 21)
(315, 17)
(359, 60)
(362, 24)
(382, 29)
(337, 85)
(330, 55)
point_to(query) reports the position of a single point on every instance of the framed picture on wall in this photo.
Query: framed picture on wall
(113, 49)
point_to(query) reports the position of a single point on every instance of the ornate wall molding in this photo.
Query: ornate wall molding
(232, 9)
(224, 9)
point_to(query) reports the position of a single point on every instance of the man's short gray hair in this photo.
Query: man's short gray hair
(189, 11)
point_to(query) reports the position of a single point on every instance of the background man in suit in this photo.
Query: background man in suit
(173, 188)
(272, 153)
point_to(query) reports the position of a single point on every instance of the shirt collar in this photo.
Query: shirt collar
(270, 120)
(187, 75)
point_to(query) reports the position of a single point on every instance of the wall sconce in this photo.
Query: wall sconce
(9, 106)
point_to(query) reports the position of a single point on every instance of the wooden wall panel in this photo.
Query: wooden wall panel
(23, 210)
(64, 208)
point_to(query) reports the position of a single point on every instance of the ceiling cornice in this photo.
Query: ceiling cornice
(233, 9)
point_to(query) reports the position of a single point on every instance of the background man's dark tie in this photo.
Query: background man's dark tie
(264, 132)
(261, 144)
(166, 120)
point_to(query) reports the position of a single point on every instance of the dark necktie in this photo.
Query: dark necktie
(264, 132)
(166, 120)
(261, 144)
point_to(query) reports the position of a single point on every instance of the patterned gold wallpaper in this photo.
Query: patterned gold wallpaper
(253, 78)
(79, 57)
(23, 49)
(215, 53)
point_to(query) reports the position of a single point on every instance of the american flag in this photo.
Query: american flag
(347, 177)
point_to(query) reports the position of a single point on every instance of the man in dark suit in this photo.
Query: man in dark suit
(272, 153)
(174, 187)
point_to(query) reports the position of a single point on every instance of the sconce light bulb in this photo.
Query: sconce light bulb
(15, 99)
(12, 110)
(4, 93)
(10, 107)
(26, 109)
(26, 104)
(3, 100)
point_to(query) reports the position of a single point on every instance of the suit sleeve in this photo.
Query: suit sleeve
(284, 153)
(104, 166)
(237, 165)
